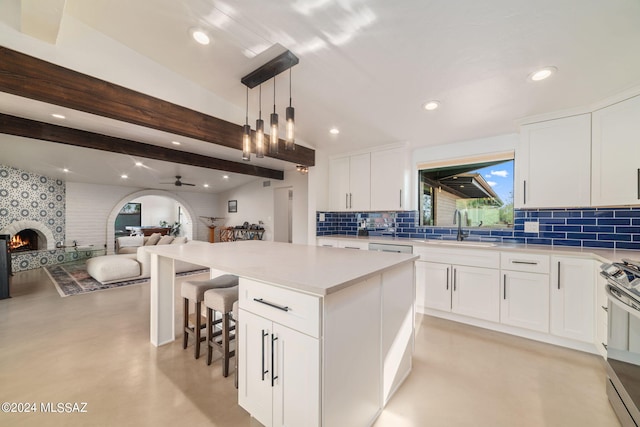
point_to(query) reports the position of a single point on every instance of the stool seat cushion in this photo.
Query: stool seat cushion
(194, 289)
(221, 299)
(112, 267)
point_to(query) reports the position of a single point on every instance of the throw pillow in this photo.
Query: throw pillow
(179, 240)
(165, 240)
(153, 239)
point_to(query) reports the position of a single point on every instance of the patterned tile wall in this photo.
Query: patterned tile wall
(28, 196)
(613, 228)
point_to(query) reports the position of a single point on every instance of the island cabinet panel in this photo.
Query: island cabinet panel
(281, 384)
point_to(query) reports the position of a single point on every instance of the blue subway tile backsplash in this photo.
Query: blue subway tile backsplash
(610, 228)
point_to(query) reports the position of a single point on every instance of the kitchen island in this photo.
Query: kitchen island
(325, 335)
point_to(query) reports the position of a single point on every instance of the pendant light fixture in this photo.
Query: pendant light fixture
(273, 144)
(260, 129)
(246, 134)
(268, 71)
(290, 124)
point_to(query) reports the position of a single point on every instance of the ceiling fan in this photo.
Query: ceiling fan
(178, 182)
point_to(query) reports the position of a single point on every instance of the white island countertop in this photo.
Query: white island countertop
(312, 269)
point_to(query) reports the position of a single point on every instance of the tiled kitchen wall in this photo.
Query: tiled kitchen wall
(612, 228)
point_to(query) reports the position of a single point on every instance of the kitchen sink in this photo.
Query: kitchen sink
(464, 243)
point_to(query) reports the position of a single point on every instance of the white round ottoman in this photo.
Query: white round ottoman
(110, 268)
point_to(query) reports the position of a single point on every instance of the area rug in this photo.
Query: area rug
(72, 279)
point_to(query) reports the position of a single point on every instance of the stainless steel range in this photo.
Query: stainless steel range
(623, 346)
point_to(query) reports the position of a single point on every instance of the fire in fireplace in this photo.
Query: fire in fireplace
(25, 240)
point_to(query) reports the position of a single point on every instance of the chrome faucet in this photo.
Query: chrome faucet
(457, 219)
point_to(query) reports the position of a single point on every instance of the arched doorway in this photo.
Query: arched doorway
(188, 227)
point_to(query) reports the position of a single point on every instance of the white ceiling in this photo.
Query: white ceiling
(367, 66)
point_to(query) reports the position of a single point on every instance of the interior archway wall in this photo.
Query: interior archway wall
(111, 220)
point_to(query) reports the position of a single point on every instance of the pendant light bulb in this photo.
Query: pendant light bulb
(273, 145)
(246, 134)
(260, 130)
(290, 124)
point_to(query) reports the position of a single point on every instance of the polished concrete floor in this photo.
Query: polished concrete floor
(95, 348)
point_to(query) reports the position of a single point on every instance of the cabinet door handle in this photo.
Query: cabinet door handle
(524, 193)
(525, 262)
(273, 344)
(264, 334)
(638, 184)
(605, 308)
(447, 278)
(401, 190)
(504, 286)
(272, 304)
(454, 279)
(558, 275)
(350, 200)
(346, 200)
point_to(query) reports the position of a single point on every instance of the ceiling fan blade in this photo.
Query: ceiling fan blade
(185, 183)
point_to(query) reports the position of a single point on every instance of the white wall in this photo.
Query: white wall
(89, 206)
(256, 203)
(156, 209)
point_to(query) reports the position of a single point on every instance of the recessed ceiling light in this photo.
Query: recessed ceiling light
(542, 73)
(431, 105)
(58, 116)
(200, 36)
(138, 163)
(334, 131)
(175, 142)
(65, 170)
(206, 186)
(225, 176)
(124, 176)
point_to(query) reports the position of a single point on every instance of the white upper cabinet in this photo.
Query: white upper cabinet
(616, 154)
(389, 180)
(553, 162)
(349, 183)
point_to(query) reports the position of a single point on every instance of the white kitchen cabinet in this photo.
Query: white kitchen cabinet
(433, 286)
(459, 281)
(470, 291)
(350, 183)
(278, 393)
(353, 244)
(329, 243)
(572, 298)
(476, 292)
(553, 163)
(389, 180)
(601, 312)
(525, 300)
(615, 176)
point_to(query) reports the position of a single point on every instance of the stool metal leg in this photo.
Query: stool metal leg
(185, 321)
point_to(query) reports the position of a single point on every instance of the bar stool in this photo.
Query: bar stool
(235, 320)
(194, 291)
(220, 300)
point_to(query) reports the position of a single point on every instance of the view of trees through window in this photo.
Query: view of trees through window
(483, 193)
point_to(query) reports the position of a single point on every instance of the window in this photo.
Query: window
(482, 192)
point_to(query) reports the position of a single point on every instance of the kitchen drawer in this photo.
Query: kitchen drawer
(353, 244)
(468, 257)
(518, 261)
(331, 243)
(293, 309)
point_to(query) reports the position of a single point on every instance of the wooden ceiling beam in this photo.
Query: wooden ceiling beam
(33, 78)
(18, 126)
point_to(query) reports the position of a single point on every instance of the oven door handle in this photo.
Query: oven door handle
(615, 300)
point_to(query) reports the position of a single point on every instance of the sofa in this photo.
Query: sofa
(130, 266)
(130, 244)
